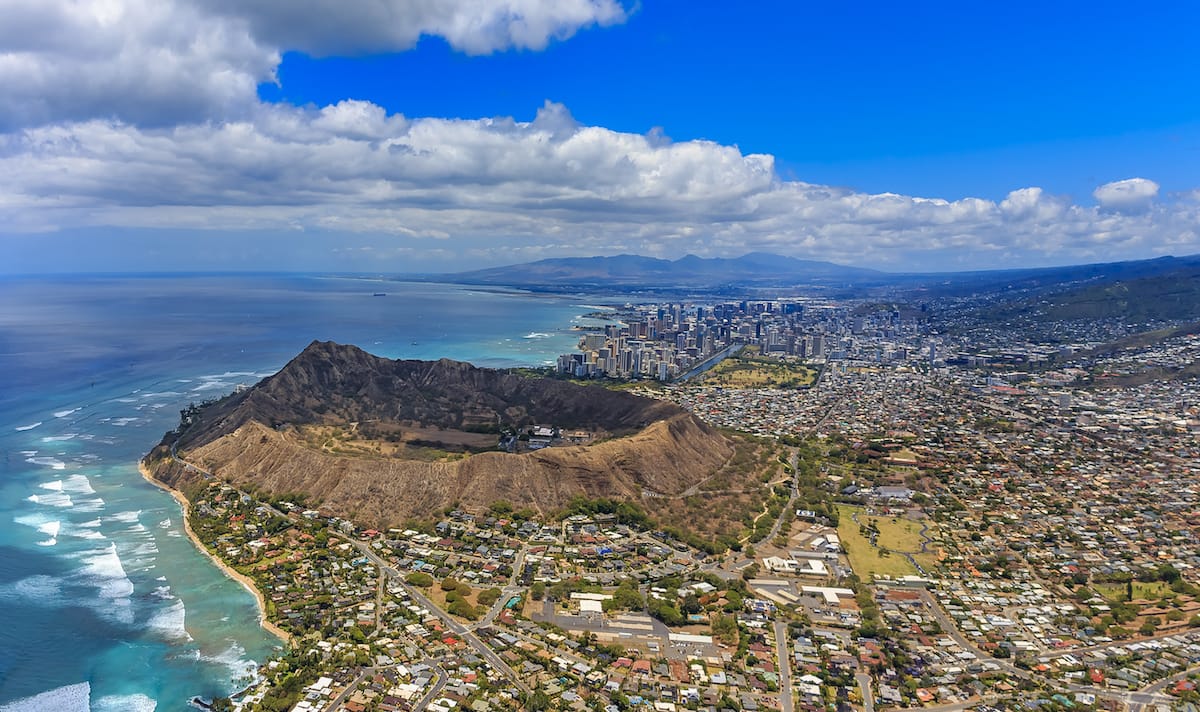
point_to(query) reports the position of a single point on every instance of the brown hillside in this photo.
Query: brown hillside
(252, 439)
(335, 383)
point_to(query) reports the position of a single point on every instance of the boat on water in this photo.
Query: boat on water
(379, 294)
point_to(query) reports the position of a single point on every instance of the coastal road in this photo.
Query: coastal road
(485, 651)
(785, 667)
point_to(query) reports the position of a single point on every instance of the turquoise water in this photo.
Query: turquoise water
(98, 584)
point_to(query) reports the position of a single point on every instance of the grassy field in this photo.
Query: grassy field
(749, 370)
(866, 560)
(1151, 591)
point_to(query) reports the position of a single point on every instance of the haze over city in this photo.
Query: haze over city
(397, 137)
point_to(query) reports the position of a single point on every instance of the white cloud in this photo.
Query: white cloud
(324, 27)
(351, 168)
(163, 62)
(147, 61)
(144, 114)
(1129, 195)
(1032, 204)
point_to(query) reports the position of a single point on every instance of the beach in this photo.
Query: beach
(244, 580)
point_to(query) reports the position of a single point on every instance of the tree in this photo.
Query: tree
(537, 701)
(626, 597)
(665, 612)
(420, 579)
(463, 609)
(725, 628)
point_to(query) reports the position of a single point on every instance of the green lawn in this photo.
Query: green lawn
(1151, 591)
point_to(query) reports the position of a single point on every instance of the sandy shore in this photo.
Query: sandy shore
(246, 581)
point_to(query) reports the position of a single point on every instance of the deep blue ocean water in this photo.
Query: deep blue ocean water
(98, 583)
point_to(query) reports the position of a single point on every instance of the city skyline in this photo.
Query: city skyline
(391, 138)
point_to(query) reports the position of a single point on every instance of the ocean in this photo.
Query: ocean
(105, 603)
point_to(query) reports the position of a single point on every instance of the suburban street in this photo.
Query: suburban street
(785, 672)
(452, 625)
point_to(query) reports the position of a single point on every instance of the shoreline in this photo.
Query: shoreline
(246, 582)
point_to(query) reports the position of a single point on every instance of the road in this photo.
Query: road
(337, 701)
(785, 668)
(506, 594)
(485, 651)
(710, 362)
(1152, 694)
(1135, 700)
(864, 685)
(794, 462)
(439, 684)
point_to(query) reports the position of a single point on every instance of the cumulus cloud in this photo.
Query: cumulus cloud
(144, 114)
(324, 27)
(147, 61)
(352, 168)
(1129, 195)
(162, 62)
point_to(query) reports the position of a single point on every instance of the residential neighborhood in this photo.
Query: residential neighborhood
(964, 531)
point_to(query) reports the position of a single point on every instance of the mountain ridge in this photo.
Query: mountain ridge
(763, 270)
(626, 269)
(257, 439)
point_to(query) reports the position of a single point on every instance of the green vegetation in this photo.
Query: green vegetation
(666, 611)
(420, 579)
(867, 559)
(747, 369)
(625, 598)
(1115, 592)
(1170, 296)
(627, 513)
(488, 597)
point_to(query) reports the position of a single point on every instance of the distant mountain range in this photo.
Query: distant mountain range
(765, 269)
(1163, 290)
(690, 271)
(1166, 288)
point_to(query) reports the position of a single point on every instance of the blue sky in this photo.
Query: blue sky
(950, 99)
(307, 136)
